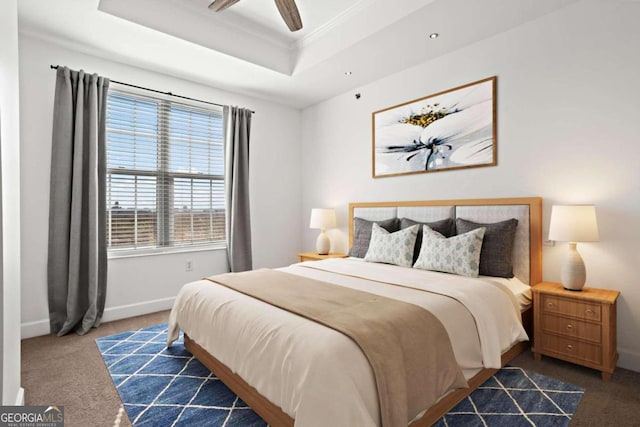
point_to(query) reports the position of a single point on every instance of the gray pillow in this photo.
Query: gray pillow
(362, 234)
(446, 227)
(496, 257)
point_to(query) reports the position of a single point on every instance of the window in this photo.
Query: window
(165, 174)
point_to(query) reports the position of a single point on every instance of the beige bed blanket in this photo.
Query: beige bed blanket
(407, 346)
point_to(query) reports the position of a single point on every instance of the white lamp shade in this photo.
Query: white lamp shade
(573, 223)
(322, 218)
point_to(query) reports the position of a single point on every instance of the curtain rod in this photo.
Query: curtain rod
(55, 67)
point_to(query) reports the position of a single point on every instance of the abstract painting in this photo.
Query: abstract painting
(453, 129)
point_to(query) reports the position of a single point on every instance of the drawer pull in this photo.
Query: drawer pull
(569, 347)
(550, 304)
(589, 312)
(569, 327)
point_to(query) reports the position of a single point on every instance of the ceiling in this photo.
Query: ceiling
(248, 48)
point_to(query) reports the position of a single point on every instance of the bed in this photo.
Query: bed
(292, 370)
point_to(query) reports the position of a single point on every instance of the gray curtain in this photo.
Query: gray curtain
(237, 130)
(77, 264)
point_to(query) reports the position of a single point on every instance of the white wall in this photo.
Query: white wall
(145, 284)
(10, 137)
(568, 131)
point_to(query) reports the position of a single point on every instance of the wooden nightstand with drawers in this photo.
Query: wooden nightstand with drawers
(579, 327)
(314, 256)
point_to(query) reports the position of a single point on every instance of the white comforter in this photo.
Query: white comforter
(319, 376)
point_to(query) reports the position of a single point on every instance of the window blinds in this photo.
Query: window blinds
(165, 174)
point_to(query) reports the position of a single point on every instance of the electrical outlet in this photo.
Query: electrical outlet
(188, 266)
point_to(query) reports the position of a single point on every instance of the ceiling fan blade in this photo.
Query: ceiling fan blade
(290, 14)
(220, 5)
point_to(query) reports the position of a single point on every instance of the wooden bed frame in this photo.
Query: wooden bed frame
(274, 415)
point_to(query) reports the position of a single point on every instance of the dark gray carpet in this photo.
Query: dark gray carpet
(69, 371)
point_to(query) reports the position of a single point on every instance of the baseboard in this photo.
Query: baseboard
(20, 397)
(41, 327)
(628, 359)
(137, 309)
(34, 329)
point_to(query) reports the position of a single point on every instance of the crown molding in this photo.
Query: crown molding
(325, 28)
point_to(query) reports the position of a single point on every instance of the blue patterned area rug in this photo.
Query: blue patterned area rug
(514, 397)
(162, 386)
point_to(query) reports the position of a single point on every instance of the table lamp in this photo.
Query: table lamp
(573, 224)
(323, 219)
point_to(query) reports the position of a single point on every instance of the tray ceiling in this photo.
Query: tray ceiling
(248, 48)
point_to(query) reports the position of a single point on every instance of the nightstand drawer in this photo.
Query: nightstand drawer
(572, 328)
(552, 304)
(571, 348)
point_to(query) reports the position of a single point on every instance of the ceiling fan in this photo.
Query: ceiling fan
(287, 8)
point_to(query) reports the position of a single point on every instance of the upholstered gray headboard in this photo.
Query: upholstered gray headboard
(527, 253)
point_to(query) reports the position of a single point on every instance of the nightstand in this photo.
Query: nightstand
(314, 256)
(579, 327)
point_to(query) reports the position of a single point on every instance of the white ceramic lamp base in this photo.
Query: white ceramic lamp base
(322, 243)
(573, 272)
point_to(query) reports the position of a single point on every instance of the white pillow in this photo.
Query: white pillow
(458, 254)
(392, 248)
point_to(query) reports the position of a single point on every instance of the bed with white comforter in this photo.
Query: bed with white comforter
(315, 374)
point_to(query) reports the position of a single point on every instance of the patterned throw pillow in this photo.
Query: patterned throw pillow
(458, 254)
(392, 248)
